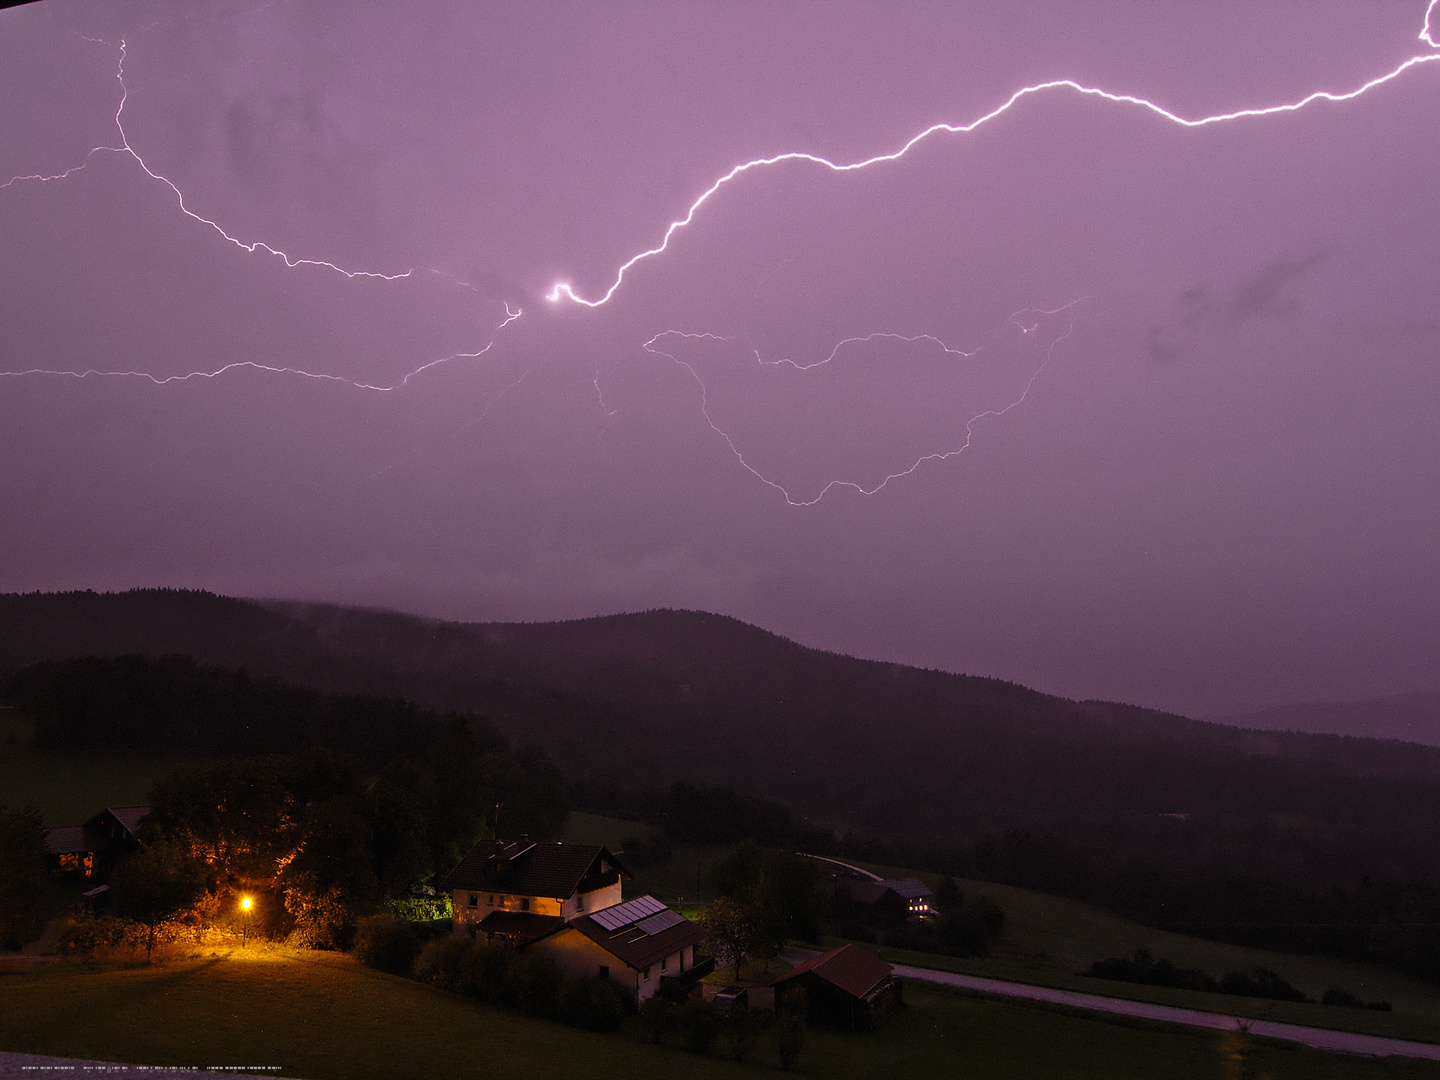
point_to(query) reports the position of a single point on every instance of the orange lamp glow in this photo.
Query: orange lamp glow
(245, 903)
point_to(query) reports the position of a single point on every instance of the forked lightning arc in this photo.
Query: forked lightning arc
(564, 291)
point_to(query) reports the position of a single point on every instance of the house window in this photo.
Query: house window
(580, 902)
(492, 899)
(474, 899)
(525, 903)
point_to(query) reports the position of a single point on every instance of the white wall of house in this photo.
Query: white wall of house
(590, 902)
(471, 906)
(578, 957)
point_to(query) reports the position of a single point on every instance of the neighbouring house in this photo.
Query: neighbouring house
(882, 901)
(640, 944)
(846, 986)
(92, 849)
(521, 891)
(73, 849)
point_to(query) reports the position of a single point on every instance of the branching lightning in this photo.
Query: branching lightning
(652, 347)
(292, 262)
(1027, 320)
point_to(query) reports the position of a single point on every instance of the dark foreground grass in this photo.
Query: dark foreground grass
(323, 1016)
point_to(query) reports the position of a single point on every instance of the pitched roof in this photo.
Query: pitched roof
(849, 967)
(644, 941)
(867, 892)
(522, 927)
(129, 816)
(71, 839)
(911, 888)
(526, 869)
(872, 892)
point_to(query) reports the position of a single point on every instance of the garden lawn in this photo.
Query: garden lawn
(323, 1016)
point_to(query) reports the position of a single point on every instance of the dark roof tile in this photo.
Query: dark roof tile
(524, 869)
(635, 947)
(849, 967)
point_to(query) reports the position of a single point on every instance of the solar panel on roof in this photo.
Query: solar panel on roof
(613, 918)
(664, 921)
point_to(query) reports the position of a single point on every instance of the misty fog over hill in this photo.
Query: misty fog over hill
(1411, 717)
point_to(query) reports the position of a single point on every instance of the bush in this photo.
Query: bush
(385, 943)
(593, 1004)
(857, 931)
(535, 984)
(1261, 983)
(660, 1015)
(742, 1032)
(698, 1025)
(789, 1032)
(1337, 995)
(439, 962)
(484, 973)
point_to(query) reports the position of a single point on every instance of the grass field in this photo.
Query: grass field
(323, 1016)
(69, 786)
(1048, 941)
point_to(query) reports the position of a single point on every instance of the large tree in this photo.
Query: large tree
(25, 891)
(152, 885)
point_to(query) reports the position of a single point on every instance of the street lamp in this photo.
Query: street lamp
(245, 903)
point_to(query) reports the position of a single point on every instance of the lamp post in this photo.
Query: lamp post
(245, 903)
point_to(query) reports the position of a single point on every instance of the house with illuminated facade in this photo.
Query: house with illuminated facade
(564, 901)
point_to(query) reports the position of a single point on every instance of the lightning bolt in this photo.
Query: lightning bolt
(564, 290)
(272, 369)
(1024, 320)
(126, 148)
(653, 348)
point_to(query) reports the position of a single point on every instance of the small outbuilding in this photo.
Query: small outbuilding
(847, 986)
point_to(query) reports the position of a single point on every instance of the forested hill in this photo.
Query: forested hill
(883, 748)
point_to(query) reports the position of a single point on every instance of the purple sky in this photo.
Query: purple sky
(1194, 371)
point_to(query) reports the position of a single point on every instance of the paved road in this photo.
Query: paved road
(1340, 1042)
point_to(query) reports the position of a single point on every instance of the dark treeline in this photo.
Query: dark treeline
(1321, 843)
(1387, 921)
(881, 749)
(300, 758)
(173, 703)
(1396, 923)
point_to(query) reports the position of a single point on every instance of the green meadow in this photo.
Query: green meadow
(68, 786)
(324, 1016)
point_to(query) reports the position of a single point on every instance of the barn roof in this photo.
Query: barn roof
(849, 967)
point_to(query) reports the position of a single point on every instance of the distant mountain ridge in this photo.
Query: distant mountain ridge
(657, 696)
(1413, 717)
